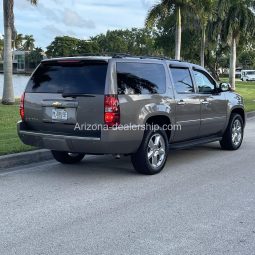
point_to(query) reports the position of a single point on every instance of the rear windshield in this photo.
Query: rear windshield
(69, 77)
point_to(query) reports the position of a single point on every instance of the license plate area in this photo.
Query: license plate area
(59, 114)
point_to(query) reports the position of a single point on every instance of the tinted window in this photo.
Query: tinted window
(204, 82)
(182, 80)
(81, 77)
(139, 78)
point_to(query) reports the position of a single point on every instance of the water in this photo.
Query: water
(19, 84)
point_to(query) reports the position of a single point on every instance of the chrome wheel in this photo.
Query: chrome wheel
(156, 151)
(237, 132)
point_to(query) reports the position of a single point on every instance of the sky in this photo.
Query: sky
(77, 18)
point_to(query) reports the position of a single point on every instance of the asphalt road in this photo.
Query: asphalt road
(203, 203)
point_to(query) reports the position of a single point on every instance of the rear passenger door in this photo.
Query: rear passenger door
(187, 104)
(213, 104)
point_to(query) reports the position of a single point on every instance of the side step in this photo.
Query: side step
(192, 143)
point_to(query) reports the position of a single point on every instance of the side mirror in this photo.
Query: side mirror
(224, 87)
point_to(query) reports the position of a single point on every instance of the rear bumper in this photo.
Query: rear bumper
(110, 142)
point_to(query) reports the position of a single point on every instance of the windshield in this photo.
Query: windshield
(81, 77)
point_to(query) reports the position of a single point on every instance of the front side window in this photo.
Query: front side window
(140, 78)
(182, 80)
(204, 83)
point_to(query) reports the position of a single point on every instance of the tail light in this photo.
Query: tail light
(21, 107)
(111, 110)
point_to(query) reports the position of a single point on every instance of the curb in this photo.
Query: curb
(250, 114)
(24, 158)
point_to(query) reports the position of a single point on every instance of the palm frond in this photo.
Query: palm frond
(158, 11)
(154, 13)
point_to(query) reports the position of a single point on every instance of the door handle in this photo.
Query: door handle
(205, 102)
(181, 102)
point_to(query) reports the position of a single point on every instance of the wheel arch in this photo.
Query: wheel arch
(239, 111)
(160, 120)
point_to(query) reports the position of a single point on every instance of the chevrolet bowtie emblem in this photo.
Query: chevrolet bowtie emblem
(57, 104)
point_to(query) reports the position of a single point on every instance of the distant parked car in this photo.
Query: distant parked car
(248, 75)
(65, 94)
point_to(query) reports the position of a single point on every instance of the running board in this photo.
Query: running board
(192, 143)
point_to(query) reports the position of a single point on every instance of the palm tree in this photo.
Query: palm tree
(29, 43)
(204, 12)
(9, 31)
(18, 41)
(236, 17)
(169, 8)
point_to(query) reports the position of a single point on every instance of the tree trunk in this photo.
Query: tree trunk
(202, 52)
(232, 71)
(8, 93)
(178, 36)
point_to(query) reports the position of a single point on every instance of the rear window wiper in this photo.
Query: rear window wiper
(74, 95)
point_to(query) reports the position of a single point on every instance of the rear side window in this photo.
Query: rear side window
(141, 78)
(69, 77)
(182, 80)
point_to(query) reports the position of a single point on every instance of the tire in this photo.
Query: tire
(67, 158)
(233, 136)
(152, 154)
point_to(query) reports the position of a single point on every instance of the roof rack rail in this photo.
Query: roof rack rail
(125, 55)
(122, 55)
(89, 55)
(103, 54)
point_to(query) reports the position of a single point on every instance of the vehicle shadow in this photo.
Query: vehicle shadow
(107, 165)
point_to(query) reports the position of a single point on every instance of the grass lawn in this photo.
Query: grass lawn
(247, 90)
(9, 141)
(9, 115)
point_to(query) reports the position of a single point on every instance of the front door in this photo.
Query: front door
(187, 105)
(213, 105)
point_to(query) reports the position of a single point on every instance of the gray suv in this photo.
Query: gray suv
(138, 106)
